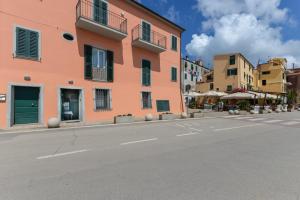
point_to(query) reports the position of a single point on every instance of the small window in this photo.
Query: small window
(174, 74)
(264, 82)
(146, 100)
(68, 36)
(232, 72)
(283, 76)
(185, 65)
(211, 86)
(163, 105)
(174, 43)
(232, 60)
(185, 76)
(229, 88)
(192, 67)
(27, 44)
(102, 99)
(266, 72)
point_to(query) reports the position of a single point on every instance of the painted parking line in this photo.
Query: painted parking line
(139, 141)
(230, 116)
(62, 154)
(273, 121)
(257, 119)
(291, 123)
(187, 134)
(194, 129)
(237, 127)
(179, 125)
(241, 118)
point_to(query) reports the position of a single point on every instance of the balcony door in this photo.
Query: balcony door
(99, 64)
(100, 11)
(146, 31)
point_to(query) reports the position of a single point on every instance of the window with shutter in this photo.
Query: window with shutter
(174, 43)
(146, 73)
(88, 60)
(146, 31)
(27, 44)
(174, 74)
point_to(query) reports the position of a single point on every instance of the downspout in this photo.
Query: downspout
(181, 83)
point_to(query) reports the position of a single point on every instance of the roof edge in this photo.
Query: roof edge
(158, 15)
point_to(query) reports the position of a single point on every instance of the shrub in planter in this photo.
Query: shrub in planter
(244, 105)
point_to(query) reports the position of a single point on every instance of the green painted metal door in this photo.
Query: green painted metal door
(26, 105)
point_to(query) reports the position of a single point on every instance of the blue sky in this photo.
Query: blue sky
(258, 29)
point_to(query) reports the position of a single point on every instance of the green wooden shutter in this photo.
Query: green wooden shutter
(173, 74)
(33, 44)
(27, 43)
(97, 10)
(146, 30)
(174, 43)
(110, 66)
(163, 105)
(88, 62)
(146, 73)
(21, 42)
(103, 12)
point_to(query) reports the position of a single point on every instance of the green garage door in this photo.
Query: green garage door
(26, 109)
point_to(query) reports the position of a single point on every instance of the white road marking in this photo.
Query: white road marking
(139, 141)
(273, 121)
(187, 134)
(180, 125)
(231, 116)
(61, 154)
(257, 119)
(291, 123)
(194, 129)
(241, 118)
(209, 117)
(237, 127)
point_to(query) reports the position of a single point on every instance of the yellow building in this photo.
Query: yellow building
(231, 71)
(271, 76)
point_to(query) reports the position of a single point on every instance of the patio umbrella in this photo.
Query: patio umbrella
(213, 94)
(192, 94)
(239, 95)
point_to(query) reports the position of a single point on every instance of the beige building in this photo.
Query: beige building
(231, 71)
(271, 76)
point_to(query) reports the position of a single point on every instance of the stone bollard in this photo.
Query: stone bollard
(148, 117)
(53, 123)
(184, 115)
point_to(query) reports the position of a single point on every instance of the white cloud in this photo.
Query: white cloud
(251, 27)
(172, 14)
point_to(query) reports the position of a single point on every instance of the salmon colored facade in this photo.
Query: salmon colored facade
(61, 63)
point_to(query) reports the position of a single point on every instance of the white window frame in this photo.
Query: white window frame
(14, 53)
(98, 55)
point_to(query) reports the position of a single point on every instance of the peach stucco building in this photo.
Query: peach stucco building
(86, 61)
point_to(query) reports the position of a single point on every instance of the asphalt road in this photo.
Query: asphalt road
(236, 158)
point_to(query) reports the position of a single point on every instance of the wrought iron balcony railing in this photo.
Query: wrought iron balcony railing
(100, 15)
(151, 37)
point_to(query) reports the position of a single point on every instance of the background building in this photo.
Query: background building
(192, 73)
(86, 61)
(271, 76)
(230, 71)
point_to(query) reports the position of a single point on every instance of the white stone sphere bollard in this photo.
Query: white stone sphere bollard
(53, 122)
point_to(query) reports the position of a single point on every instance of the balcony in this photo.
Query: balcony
(100, 20)
(152, 41)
